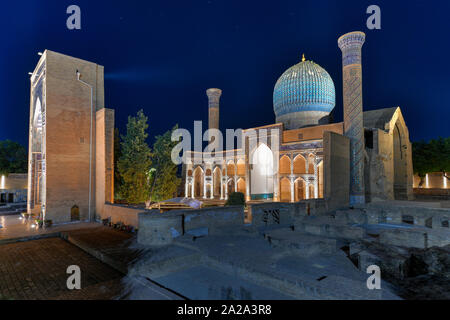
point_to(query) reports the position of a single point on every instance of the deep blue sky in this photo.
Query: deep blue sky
(162, 55)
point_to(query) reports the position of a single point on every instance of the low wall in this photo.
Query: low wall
(157, 229)
(267, 213)
(121, 213)
(432, 193)
(434, 218)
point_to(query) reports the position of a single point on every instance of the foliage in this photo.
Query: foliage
(13, 158)
(236, 199)
(135, 160)
(164, 178)
(432, 156)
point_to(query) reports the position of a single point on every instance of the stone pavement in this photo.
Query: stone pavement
(33, 263)
(14, 229)
(37, 270)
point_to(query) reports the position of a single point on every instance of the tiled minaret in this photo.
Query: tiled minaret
(350, 45)
(213, 107)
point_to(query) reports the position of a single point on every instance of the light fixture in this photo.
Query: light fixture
(40, 53)
(30, 73)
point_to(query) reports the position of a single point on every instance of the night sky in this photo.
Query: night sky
(161, 56)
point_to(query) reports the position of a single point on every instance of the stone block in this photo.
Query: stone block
(156, 229)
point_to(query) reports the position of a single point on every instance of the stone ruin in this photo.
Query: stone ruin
(301, 250)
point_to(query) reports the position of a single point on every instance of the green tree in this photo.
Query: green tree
(135, 161)
(13, 157)
(164, 180)
(432, 156)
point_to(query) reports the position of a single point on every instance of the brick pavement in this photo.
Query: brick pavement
(37, 270)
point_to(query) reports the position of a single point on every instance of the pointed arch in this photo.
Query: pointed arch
(217, 181)
(285, 190)
(262, 173)
(311, 159)
(241, 185)
(240, 167)
(299, 164)
(285, 165)
(198, 181)
(231, 168)
(299, 189)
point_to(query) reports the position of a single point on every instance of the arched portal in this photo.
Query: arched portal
(311, 159)
(240, 167)
(400, 164)
(299, 190)
(311, 191)
(320, 173)
(285, 165)
(262, 173)
(285, 190)
(198, 182)
(230, 168)
(230, 186)
(299, 165)
(241, 186)
(217, 181)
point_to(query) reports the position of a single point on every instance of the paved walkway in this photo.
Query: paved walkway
(16, 228)
(33, 262)
(37, 269)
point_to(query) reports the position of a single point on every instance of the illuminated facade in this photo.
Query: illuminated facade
(285, 161)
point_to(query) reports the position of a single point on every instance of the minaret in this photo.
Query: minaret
(213, 103)
(350, 45)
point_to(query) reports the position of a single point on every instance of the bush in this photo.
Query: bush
(236, 199)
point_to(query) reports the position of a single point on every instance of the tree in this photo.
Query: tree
(164, 180)
(433, 156)
(135, 161)
(13, 158)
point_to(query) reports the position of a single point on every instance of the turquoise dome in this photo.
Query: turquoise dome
(303, 95)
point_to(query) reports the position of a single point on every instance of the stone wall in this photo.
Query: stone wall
(156, 229)
(104, 159)
(336, 168)
(120, 213)
(431, 193)
(68, 110)
(15, 184)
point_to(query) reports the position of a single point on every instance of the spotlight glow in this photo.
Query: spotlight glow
(2, 182)
(426, 181)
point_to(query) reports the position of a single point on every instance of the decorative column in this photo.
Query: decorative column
(226, 181)
(211, 195)
(350, 45)
(193, 187)
(186, 188)
(316, 179)
(307, 188)
(204, 181)
(221, 183)
(292, 177)
(213, 107)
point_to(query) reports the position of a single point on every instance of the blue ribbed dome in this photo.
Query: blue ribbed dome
(303, 95)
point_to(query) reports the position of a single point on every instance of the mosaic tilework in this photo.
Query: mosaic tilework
(304, 87)
(351, 44)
